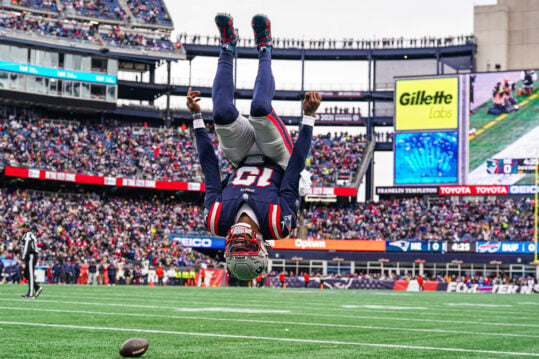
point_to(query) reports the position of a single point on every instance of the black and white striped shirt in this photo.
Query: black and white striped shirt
(30, 245)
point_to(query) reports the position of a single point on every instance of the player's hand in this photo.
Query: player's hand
(192, 101)
(311, 103)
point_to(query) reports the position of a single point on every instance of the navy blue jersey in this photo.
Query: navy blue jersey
(271, 192)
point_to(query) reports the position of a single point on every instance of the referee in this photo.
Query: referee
(30, 259)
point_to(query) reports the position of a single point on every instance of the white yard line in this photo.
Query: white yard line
(277, 339)
(258, 321)
(433, 311)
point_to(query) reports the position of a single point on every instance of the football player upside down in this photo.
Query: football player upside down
(259, 200)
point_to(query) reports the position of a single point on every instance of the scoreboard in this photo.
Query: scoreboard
(509, 166)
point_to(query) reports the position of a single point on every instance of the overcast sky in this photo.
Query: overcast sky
(336, 18)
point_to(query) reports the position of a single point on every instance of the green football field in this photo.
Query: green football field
(179, 322)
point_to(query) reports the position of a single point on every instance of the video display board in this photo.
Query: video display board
(426, 157)
(431, 130)
(504, 127)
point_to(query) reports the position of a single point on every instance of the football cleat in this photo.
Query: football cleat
(261, 25)
(229, 37)
(26, 296)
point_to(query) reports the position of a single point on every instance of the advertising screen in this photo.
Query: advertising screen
(427, 104)
(426, 157)
(504, 127)
(58, 73)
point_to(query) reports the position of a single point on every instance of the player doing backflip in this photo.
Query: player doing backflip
(260, 198)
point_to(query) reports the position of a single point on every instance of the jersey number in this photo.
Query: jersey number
(246, 176)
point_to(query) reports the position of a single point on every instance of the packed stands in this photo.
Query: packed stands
(150, 12)
(413, 219)
(37, 25)
(334, 156)
(143, 152)
(40, 5)
(99, 9)
(91, 226)
(104, 150)
(88, 32)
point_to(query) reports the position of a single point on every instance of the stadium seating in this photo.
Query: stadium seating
(147, 153)
(150, 12)
(413, 219)
(47, 5)
(120, 38)
(91, 226)
(117, 37)
(99, 9)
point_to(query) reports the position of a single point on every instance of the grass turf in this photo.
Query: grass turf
(503, 133)
(179, 322)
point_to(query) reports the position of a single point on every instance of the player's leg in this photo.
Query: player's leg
(27, 276)
(37, 288)
(31, 276)
(236, 136)
(270, 132)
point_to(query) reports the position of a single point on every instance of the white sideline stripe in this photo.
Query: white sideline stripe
(432, 312)
(420, 320)
(435, 310)
(274, 322)
(101, 304)
(294, 340)
(479, 305)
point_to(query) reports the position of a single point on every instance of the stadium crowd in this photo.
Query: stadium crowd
(414, 219)
(334, 156)
(47, 27)
(49, 5)
(121, 38)
(89, 228)
(101, 9)
(88, 31)
(150, 12)
(345, 43)
(116, 150)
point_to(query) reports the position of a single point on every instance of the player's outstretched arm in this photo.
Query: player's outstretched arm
(206, 154)
(290, 185)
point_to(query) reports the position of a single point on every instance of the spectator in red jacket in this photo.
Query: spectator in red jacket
(160, 274)
(306, 278)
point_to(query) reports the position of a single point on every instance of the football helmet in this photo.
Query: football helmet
(246, 252)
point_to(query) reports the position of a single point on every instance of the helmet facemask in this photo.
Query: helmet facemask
(245, 252)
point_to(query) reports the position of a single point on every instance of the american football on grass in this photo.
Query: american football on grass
(134, 347)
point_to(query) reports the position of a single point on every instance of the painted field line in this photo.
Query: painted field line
(436, 311)
(310, 314)
(202, 309)
(358, 298)
(275, 339)
(257, 321)
(523, 325)
(490, 124)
